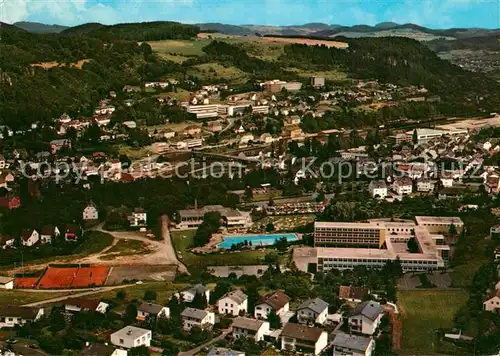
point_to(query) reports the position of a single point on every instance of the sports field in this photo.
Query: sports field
(423, 312)
(73, 277)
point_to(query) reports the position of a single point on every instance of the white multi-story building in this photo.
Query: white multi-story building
(203, 111)
(295, 337)
(138, 218)
(250, 328)
(131, 336)
(233, 303)
(196, 317)
(378, 189)
(403, 186)
(365, 318)
(352, 345)
(278, 302)
(312, 311)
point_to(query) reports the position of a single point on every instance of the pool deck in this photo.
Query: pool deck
(216, 239)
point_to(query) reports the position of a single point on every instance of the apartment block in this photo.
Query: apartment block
(341, 234)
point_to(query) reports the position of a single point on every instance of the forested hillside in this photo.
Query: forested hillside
(145, 31)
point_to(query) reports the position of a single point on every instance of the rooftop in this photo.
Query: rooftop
(369, 309)
(317, 305)
(247, 323)
(237, 296)
(353, 342)
(194, 313)
(150, 308)
(276, 300)
(350, 292)
(132, 332)
(438, 220)
(5, 280)
(301, 332)
(26, 313)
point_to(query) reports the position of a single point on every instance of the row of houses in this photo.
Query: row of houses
(45, 235)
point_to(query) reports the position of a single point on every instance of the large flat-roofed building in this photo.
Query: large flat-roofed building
(192, 218)
(203, 111)
(440, 224)
(391, 244)
(334, 234)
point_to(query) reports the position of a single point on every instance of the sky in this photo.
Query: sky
(429, 13)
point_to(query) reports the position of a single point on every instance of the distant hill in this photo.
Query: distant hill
(37, 27)
(144, 31)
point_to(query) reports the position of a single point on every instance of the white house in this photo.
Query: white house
(378, 189)
(313, 311)
(425, 185)
(6, 282)
(76, 305)
(492, 304)
(6, 241)
(188, 294)
(277, 301)
(196, 317)
(446, 181)
(97, 349)
(12, 315)
(48, 233)
(131, 336)
(90, 212)
(352, 345)
(233, 303)
(154, 310)
(29, 237)
(250, 328)
(402, 186)
(365, 318)
(138, 218)
(295, 337)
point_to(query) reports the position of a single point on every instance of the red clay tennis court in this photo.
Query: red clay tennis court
(26, 282)
(72, 277)
(90, 276)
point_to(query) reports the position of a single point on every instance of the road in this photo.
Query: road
(69, 296)
(169, 247)
(196, 350)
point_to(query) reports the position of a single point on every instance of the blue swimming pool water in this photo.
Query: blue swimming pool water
(257, 240)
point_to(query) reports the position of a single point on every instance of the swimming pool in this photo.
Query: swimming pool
(255, 240)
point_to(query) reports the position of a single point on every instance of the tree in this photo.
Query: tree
(149, 295)
(412, 245)
(220, 289)
(270, 227)
(121, 295)
(274, 320)
(199, 301)
(139, 351)
(320, 197)
(414, 137)
(130, 313)
(57, 321)
(452, 231)
(272, 258)
(248, 195)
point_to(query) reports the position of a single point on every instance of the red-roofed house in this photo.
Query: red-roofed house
(72, 232)
(10, 202)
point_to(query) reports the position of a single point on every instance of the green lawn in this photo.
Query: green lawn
(20, 297)
(127, 248)
(163, 291)
(461, 276)
(424, 311)
(182, 240)
(95, 242)
(180, 47)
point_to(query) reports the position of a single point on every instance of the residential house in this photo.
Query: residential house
(5, 179)
(233, 303)
(492, 304)
(2, 162)
(250, 328)
(378, 189)
(266, 138)
(221, 351)
(48, 233)
(76, 305)
(138, 218)
(313, 311)
(365, 318)
(425, 185)
(153, 310)
(352, 294)
(29, 237)
(295, 337)
(293, 132)
(192, 130)
(278, 302)
(12, 315)
(131, 336)
(97, 349)
(6, 282)
(10, 202)
(196, 317)
(72, 232)
(56, 145)
(188, 294)
(403, 185)
(90, 212)
(214, 126)
(6, 241)
(352, 345)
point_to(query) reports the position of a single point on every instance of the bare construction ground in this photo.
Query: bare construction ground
(141, 273)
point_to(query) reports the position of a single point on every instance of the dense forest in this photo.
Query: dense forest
(145, 31)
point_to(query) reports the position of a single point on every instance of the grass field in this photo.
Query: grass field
(328, 75)
(95, 242)
(163, 291)
(182, 240)
(213, 71)
(134, 153)
(127, 248)
(425, 311)
(183, 48)
(20, 297)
